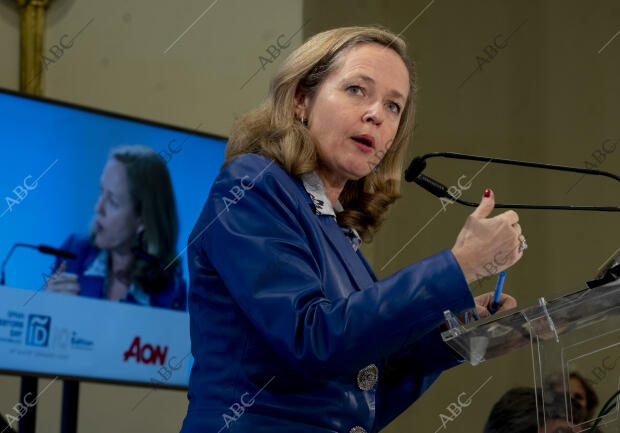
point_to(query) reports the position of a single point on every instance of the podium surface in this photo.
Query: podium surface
(573, 339)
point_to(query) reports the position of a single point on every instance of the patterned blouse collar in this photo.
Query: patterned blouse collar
(316, 190)
(99, 268)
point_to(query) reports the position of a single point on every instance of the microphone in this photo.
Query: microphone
(418, 164)
(55, 252)
(45, 249)
(416, 167)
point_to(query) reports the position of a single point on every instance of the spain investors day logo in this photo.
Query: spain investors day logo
(38, 331)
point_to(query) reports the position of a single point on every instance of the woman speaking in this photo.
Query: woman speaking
(291, 330)
(132, 238)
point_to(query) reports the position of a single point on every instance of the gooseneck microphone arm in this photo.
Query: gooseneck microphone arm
(8, 256)
(41, 248)
(418, 164)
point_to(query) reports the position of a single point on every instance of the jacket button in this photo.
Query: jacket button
(357, 429)
(367, 377)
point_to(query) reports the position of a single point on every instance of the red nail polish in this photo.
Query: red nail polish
(487, 192)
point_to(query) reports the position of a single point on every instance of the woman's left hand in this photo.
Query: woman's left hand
(506, 302)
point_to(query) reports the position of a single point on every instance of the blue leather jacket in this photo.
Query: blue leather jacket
(285, 315)
(92, 284)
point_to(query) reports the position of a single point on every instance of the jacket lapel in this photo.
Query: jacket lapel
(368, 268)
(357, 268)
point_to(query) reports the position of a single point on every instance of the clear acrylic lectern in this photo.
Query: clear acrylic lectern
(574, 336)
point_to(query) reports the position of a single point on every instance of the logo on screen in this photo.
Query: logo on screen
(145, 353)
(38, 331)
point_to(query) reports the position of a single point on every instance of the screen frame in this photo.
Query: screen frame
(122, 116)
(109, 113)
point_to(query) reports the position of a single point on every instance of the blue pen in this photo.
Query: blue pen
(498, 292)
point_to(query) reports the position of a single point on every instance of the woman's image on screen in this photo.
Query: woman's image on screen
(130, 253)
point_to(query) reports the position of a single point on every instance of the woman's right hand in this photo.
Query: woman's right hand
(486, 246)
(63, 282)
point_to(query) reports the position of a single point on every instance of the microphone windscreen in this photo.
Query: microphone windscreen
(417, 166)
(56, 252)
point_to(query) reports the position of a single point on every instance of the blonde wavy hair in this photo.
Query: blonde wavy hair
(152, 197)
(273, 131)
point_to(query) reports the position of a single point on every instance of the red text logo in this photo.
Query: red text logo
(146, 354)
